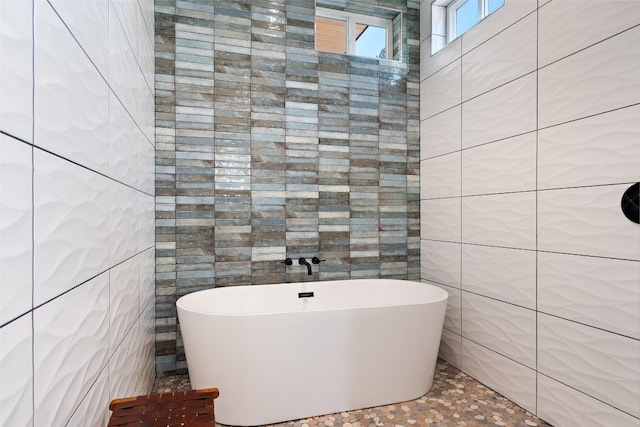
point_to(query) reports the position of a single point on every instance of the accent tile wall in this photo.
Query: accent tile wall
(76, 209)
(529, 138)
(267, 149)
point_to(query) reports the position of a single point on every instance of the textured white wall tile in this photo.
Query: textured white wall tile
(565, 28)
(505, 274)
(425, 53)
(441, 133)
(600, 78)
(71, 227)
(441, 91)
(16, 63)
(71, 348)
(440, 219)
(146, 56)
(499, 167)
(94, 409)
(124, 222)
(507, 15)
(450, 348)
(129, 17)
(89, 24)
(131, 65)
(124, 73)
(146, 166)
(16, 392)
(506, 220)
(147, 8)
(147, 373)
(146, 215)
(511, 379)
(440, 262)
(146, 107)
(505, 57)
(601, 149)
(445, 56)
(425, 21)
(587, 221)
(440, 176)
(147, 263)
(124, 155)
(124, 299)
(452, 319)
(501, 113)
(125, 365)
(71, 98)
(598, 363)
(504, 328)
(15, 228)
(600, 292)
(563, 406)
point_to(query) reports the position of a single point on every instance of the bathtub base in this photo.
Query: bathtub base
(318, 362)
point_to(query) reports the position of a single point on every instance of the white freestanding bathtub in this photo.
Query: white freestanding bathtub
(289, 351)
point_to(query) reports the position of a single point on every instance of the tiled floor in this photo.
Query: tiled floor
(455, 399)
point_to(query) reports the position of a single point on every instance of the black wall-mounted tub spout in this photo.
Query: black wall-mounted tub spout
(303, 261)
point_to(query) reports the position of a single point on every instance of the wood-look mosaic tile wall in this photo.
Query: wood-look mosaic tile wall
(267, 149)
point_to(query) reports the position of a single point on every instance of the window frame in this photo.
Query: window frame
(356, 18)
(452, 22)
(444, 20)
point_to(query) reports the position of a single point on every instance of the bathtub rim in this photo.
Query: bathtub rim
(182, 303)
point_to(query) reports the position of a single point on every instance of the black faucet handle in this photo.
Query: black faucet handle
(287, 261)
(316, 260)
(303, 261)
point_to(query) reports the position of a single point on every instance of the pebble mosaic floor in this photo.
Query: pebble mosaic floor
(455, 399)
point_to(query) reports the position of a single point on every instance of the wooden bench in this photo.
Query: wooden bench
(191, 408)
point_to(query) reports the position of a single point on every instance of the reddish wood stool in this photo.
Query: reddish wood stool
(191, 408)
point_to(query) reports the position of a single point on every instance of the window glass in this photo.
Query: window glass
(466, 16)
(452, 18)
(494, 5)
(371, 41)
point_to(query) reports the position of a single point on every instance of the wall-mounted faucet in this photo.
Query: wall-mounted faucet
(303, 261)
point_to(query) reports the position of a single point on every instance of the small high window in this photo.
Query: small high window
(353, 34)
(452, 18)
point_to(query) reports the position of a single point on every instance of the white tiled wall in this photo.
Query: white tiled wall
(76, 209)
(539, 102)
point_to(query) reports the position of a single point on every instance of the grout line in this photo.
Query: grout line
(589, 395)
(33, 131)
(461, 205)
(590, 46)
(537, 192)
(524, 133)
(93, 170)
(104, 78)
(530, 250)
(590, 116)
(587, 325)
(536, 310)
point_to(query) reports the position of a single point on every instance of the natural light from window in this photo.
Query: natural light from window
(371, 42)
(452, 18)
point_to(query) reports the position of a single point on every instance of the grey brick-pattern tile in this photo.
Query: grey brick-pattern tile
(268, 149)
